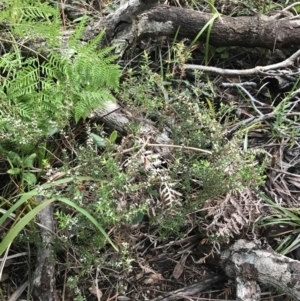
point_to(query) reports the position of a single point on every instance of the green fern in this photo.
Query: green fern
(35, 94)
(31, 19)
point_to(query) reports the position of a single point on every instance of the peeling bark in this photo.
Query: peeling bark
(247, 290)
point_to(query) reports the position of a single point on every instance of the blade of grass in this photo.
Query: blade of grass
(32, 213)
(11, 235)
(26, 196)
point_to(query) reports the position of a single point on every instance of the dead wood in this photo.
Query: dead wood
(44, 276)
(252, 262)
(118, 118)
(136, 20)
(258, 70)
(191, 289)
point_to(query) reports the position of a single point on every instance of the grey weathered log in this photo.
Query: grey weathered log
(111, 114)
(135, 21)
(247, 290)
(44, 275)
(118, 118)
(254, 261)
(142, 19)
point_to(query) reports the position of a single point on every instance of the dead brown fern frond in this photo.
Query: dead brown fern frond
(233, 212)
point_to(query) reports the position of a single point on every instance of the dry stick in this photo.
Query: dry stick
(293, 106)
(3, 260)
(17, 255)
(295, 92)
(252, 99)
(180, 146)
(248, 122)
(291, 6)
(259, 70)
(190, 290)
(18, 292)
(165, 145)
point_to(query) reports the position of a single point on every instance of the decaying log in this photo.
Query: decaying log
(44, 275)
(118, 118)
(252, 262)
(142, 19)
(136, 20)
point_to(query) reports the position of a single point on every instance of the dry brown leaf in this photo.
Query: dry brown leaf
(139, 276)
(153, 278)
(178, 270)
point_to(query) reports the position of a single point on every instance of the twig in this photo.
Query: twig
(190, 290)
(291, 6)
(252, 99)
(249, 121)
(181, 146)
(259, 70)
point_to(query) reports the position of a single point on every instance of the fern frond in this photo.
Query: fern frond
(92, 46)
(102, 53)
(25, 110)
(169, 196)
(26, 76)
(39, 92)
(78, 33)
(88, 101)
(9, 64)
(31, 18)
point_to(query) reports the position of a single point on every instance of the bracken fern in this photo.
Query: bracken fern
(44, 93)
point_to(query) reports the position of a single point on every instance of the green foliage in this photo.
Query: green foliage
(49, 198)
(21, 167)
(108, 184)
(39, 96)
(286, 122)
(31, 19)
(35, 93)
(112, 184)
(188, 109)
(283, 216)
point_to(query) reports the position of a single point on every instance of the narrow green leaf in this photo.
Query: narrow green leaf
(26, 196)
(290, 246)
(91, 218)
(30, 215)
(21, 224)
(22, 200)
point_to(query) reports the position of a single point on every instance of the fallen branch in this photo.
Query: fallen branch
(259, 70)
(44, 276)
(252, 262)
